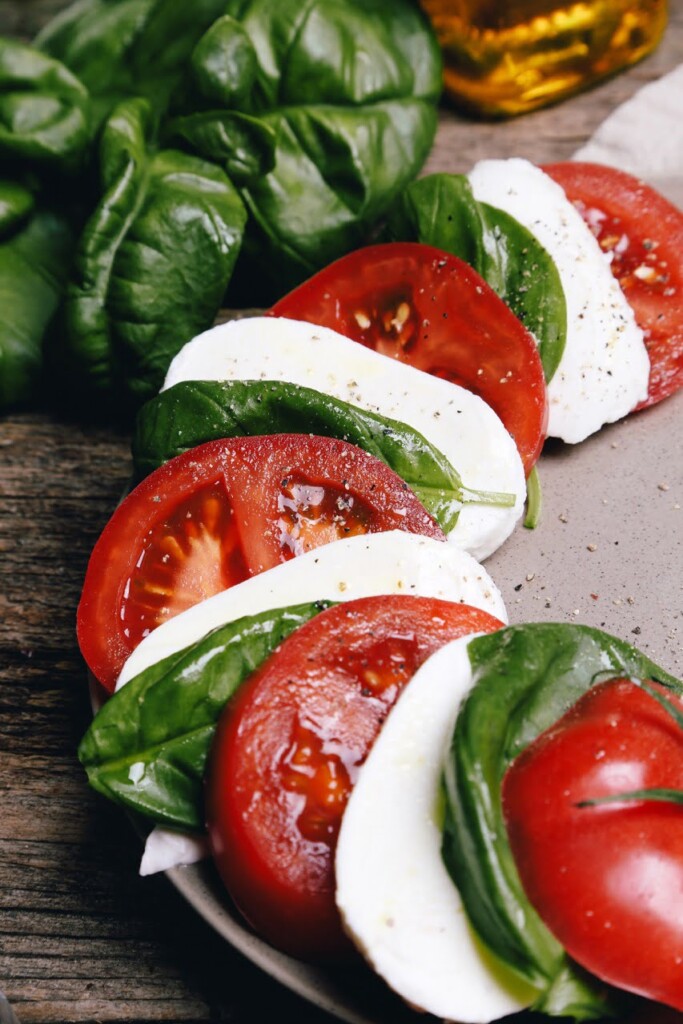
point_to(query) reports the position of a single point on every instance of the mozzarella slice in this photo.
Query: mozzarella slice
(604, 370)
(165, 849)
(457, 422)
(379, 563)
(395, 896)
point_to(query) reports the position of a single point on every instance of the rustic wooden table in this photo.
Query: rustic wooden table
(82, 937)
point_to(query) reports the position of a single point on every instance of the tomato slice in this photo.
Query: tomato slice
(288, 749)
(220, 513)
(607, 879)
(428, 308)
(643, 234)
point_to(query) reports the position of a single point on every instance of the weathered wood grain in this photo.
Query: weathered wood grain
(23, 18)
(82, 938)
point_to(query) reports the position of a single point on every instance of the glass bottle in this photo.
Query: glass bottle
(507, 58)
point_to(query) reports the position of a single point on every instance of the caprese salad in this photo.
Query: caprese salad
(301, 548)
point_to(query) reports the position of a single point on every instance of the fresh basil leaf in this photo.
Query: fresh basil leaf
(34, 263)
(343, 166)
(17, 202)
(147, 747)
(193, 412)
(440, 210)
(244, 145)
(525, 679)
(151, 266)
(222, 70)
(129, 47)
(348, 92)
(44, 109)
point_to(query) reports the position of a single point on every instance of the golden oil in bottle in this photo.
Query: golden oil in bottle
(507, 58)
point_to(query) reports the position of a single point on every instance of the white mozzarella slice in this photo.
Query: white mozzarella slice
(394, 894)
(457, 422)
(165, 849)
(604, 370)
(379, 563)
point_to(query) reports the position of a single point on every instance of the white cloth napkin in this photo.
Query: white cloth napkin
(644, 136)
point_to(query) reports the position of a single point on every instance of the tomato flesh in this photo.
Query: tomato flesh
(220, 513)
(312, 514)
(643, 234)
(288, 749)
(425, 307)
(606, 879)
(193, 553)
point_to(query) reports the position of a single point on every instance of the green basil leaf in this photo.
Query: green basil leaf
(148, 745)
(129, 47)
(193, 412)
(151, 266)
(244, 145)
(348, 92)
(525, 679)
(44, 109)
(34, 263)
(342, 166)
(223, 69)
(440, 210)
(17, 202)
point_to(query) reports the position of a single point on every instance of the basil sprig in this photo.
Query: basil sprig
(440, 210)
(147, 747)
(192, 412)
(525, 679)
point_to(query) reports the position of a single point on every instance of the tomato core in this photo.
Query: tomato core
(192, 553)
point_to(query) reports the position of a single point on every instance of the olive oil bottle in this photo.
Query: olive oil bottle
(508, 58)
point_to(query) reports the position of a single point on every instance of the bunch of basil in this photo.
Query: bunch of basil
(151, 148)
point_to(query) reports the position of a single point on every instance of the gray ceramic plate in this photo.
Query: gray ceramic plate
(608, 553)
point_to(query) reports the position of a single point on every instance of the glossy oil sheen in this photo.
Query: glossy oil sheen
(509, 58)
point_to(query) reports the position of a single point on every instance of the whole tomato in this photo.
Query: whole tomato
(606, 874)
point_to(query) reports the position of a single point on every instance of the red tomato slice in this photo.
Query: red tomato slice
(643, 232)
(606, 879)
(222, 512)
(427, 308)
(288, 749)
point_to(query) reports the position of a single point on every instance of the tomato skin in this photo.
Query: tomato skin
(220, 513)
(431, 310)
(607, 880)
(643, 232)
(289, 746)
